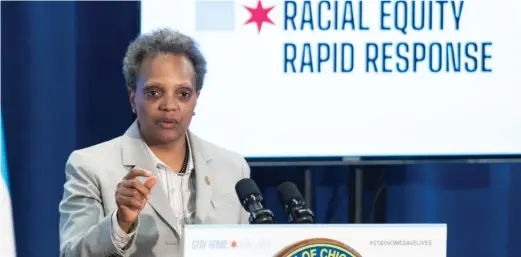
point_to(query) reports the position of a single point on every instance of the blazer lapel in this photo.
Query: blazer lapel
(135, 154)
(203, 178)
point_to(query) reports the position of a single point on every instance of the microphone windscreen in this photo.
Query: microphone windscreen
(288, 191)
(246, 187)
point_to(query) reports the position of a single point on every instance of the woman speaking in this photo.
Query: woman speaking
(132, 195)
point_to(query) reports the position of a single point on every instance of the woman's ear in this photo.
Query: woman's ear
(132, 99)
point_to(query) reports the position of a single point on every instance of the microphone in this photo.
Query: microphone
(251, 199)
(294, 204)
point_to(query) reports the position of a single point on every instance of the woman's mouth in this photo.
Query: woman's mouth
(167, 123)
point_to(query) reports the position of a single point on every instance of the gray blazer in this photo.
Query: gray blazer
(92, 175)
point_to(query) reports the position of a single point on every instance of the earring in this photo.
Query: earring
(133, 110)
(193, 114)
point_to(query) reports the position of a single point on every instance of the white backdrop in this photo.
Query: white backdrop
(250, 105)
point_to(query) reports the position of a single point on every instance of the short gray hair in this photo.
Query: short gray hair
(162, 41)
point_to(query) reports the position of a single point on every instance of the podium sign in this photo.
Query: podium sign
(358, 240)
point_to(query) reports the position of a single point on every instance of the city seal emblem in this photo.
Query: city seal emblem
(318, 247)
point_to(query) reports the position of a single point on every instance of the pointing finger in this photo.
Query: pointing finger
(150, 183)
(137, 173)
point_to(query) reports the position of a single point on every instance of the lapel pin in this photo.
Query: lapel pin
(207, 180)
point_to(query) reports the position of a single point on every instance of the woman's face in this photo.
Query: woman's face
(165, 97)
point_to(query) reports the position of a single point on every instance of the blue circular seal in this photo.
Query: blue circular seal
(318, 247)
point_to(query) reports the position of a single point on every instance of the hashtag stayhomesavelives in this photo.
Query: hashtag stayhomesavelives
(400, 242)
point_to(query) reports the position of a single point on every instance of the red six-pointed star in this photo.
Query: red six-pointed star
(259, 15)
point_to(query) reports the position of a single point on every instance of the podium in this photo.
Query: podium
(316, 240)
